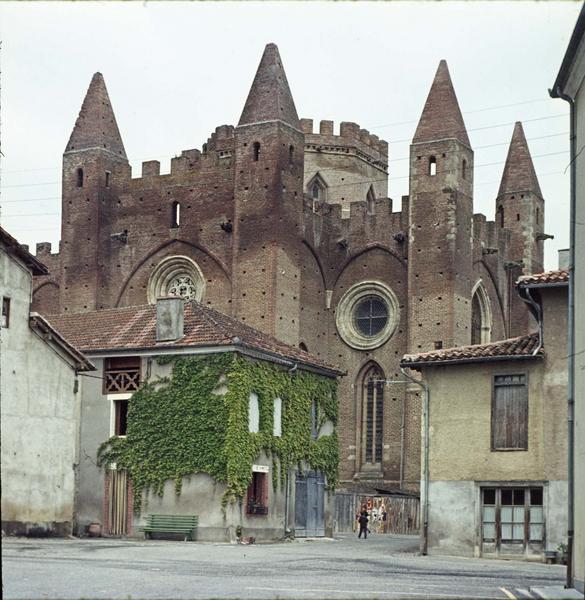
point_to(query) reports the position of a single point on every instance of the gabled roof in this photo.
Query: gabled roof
(15, 248)
(522, 347)
(133, 328)
(96, 125)
(549, 278)
(270, 98)
(519, 173)
(441, 117)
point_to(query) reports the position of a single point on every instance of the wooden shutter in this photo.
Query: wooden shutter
(510, 413)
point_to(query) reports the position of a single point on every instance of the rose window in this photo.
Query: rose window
(176, 276)
(183, 287)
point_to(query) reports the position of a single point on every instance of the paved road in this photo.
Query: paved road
(382, 567)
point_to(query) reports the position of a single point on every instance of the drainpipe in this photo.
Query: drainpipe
(402, 424)
(425, 500)
(527, 297)
(557, 93)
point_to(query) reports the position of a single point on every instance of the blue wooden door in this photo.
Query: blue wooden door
(310, 504)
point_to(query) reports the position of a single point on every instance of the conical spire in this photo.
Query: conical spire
(270, 98)
(519, 174)
(96, 125)
(441, 117)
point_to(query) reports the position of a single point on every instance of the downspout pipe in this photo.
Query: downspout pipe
(527, 297)
(425, 499)
(557, 93)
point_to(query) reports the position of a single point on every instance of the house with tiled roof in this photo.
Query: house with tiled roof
(39, 387)
(494, 468)
(192, 413)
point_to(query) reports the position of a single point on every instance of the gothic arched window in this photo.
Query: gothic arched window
(371, 200)
(372, 415)
(481, 316)
(317, 188)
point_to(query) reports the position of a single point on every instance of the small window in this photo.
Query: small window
(79, 177)
(291, 154)
(501, 215)
(6, 312)
(510, 414)
(537, 216)
(314, 420)
(517, 216)
(438, 345)
(315, 191)
(371, 201)
(303, 347)
(277, 417)
(432, 166)
(256, 149)
(253, 413)
(108, 179)
(464, 169)
(257, 496)
(175, 215)
(120, 417)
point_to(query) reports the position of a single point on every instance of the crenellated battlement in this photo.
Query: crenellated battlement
(352, 139)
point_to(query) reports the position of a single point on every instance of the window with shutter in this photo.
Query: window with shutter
(510, 413)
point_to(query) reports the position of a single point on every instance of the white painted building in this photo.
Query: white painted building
(40, 406)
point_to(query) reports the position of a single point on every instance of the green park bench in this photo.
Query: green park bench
(183, 524)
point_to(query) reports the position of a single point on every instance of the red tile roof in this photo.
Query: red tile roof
(548, 278)
(516, 348)
(134, 328)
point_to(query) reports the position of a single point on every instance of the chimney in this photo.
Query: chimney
(169, 319)
(564, 256)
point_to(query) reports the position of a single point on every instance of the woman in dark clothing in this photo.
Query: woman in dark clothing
(363, 521)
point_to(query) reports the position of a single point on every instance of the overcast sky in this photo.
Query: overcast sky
(175, 71)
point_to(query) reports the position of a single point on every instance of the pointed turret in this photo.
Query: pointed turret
(96, 125)
(519, 174)
(520, 208)
(441, 117)
(270, 98)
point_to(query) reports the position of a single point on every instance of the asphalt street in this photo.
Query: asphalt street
(382, 566)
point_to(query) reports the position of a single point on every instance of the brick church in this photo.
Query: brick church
(292, 231)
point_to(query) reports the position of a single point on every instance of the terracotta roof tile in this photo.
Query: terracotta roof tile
(134, 327)
(548, 278)
(520, 347)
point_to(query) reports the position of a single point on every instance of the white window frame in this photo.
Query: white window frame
(111, 398)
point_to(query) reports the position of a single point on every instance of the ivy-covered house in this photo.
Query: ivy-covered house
(192, 412)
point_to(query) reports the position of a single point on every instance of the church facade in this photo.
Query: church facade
(292, 231)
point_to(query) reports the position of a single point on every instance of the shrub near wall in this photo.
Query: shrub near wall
(178, 426)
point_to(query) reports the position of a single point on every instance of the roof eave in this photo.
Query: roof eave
(79, 360)
(568, 59)
(246, 349)
(474, 359)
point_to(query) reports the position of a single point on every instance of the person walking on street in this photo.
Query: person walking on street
(363, 521)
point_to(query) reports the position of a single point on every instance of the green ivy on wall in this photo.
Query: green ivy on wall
(184, 425)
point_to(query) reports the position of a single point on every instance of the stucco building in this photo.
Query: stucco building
(39, 403)
(291, 230)
(497, 444)
(570, 86)
(172, 424)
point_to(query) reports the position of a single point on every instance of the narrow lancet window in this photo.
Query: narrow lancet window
(256, 149)
(464, 169)
(432, 166)
(79, 177)
(291, 154)
(175, 215)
